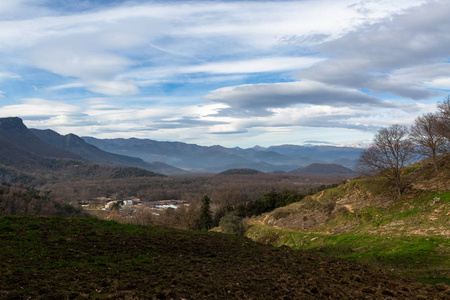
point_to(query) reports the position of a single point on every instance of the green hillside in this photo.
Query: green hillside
(362, 220)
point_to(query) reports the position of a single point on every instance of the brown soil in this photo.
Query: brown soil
(77, 258)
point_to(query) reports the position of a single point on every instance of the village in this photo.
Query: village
(129, 205)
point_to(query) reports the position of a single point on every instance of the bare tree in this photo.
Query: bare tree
(144, 216)
(425, 134)
(391, 150)
(444, 118)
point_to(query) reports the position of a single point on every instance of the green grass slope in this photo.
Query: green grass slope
(362, 220)
(54, 257)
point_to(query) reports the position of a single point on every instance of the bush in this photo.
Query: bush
(231, 223)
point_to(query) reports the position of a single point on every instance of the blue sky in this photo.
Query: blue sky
(234, 73)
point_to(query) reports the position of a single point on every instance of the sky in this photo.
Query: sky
(232, 73)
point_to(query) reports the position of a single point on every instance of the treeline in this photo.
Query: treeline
(200, 215)
(224, 190)
(47, 171)
(269, 202)
(19, 201)
(240, 172)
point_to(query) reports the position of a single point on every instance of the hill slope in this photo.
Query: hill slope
(89, 258)
(363, 220)
(324, 169)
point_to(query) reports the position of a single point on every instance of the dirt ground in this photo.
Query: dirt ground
(58, 258)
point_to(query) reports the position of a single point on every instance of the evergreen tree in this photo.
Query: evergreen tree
(206, 220)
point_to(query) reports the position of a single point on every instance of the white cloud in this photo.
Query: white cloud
(231, 70)
(66, 86)
(346, 53)
(256, 99)
(274, 64)
(35, 108)
(114, 88)
(379, 57)
(94, 45)
(68, 61)
(439, 83)
(8, 75)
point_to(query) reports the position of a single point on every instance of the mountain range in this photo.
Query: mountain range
(78, 146)
(25, 158)
(21, 147)
(214, 159)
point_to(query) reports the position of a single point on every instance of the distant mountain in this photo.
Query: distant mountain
(17, 136)
(348, 163)
(187, 156)
(162, 157)
(215, 159)
(78, 146)
(23, 156)
(323, 169)
(323, 153)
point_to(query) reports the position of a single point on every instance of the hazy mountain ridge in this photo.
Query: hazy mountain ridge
(217, 158)
(25, 146)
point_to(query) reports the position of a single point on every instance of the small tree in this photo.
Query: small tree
(389, 153)
(116, 205)
(232, 223)
(206, 220)
(425, 134)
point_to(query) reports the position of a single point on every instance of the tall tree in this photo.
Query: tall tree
(390, 151)
(425, 134)
(206, 220)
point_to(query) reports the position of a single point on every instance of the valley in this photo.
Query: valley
(318, 229)
(225, 149)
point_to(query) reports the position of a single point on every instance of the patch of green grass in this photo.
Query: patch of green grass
(411, 169)
(375, 185)
(444, 196)
(416, 256)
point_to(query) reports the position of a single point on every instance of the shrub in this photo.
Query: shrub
(231, 223)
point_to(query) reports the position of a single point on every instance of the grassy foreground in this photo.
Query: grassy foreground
(74, 258)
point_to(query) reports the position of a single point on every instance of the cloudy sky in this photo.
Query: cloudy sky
(234, 73)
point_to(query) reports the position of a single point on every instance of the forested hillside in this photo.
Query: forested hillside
(27, 160)
(19, 201)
